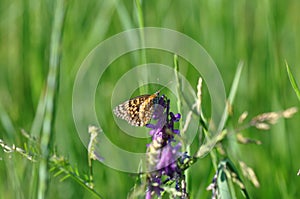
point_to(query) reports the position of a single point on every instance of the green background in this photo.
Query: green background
(263, 34)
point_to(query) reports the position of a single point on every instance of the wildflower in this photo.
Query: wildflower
(163, 151)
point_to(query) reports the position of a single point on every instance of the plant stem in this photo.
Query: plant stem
(51, 95)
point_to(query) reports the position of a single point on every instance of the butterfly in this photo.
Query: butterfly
(137, 111)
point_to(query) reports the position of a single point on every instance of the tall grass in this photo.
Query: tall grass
(262, 34)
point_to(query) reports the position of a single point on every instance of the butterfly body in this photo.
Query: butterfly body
(137, 111)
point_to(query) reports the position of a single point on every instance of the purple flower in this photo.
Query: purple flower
(163, 150)
(168, 160)
(154, 187)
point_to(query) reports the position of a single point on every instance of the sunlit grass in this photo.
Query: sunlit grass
(263, 35)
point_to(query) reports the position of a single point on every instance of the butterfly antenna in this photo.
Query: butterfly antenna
(163, 87)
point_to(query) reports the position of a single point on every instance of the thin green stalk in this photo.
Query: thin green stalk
(292, 80)
(212, 141)
(6, 123)
(139, 13)
(39, 116)
(69, 172)
(51, 95)
(179, 103)
(178, 89)
(235, 82)
(124, 15)
(140, 19)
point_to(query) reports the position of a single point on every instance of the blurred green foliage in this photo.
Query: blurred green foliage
(261, 33)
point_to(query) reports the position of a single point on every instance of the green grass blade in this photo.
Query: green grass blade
(223, 186)
(233, 89)
(292, 80)
(51, 95)
(235, 82)
(6, 123)
(39, 117)
(139, 13)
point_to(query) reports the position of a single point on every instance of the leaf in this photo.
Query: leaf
(292, 80)
(228, 175)
(58, 173)
(233, 90)
(64, 178)
(235, 82)
(223, 187)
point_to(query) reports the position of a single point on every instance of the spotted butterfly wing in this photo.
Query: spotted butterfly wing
(137, 111)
